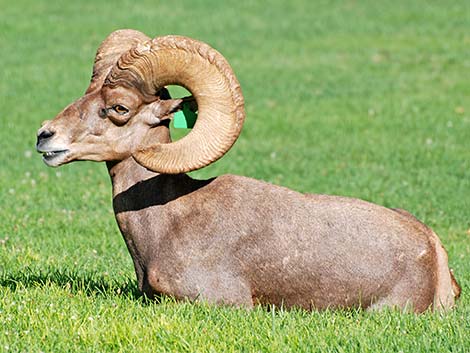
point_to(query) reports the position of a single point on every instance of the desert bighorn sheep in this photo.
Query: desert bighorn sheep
(230, 239)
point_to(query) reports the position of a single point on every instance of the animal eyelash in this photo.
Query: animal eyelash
(120, 109)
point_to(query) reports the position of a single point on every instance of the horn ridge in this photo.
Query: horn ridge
(207, 75)
(109, 51)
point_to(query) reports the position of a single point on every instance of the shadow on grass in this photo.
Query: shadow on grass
(76, 282)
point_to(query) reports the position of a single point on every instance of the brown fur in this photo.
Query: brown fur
(239, 241)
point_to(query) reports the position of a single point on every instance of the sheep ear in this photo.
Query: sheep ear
(160, 110)
(164, 109)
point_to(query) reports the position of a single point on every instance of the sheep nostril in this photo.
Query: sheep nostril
(45, 134)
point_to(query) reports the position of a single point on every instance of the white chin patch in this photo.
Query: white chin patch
(54, 158)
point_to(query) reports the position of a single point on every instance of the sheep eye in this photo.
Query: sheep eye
(120, 109)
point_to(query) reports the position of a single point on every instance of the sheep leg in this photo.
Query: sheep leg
(197, 284)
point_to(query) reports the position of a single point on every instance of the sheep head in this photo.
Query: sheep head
(125, 111)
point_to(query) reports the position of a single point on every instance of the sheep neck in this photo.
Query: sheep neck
(142, 188)
(127, 173)
(136, 191)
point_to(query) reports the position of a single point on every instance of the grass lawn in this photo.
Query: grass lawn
(369, 99)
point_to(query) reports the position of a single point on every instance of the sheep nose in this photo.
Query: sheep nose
(44, 135)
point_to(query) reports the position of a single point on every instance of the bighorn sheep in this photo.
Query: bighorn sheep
(231, 239)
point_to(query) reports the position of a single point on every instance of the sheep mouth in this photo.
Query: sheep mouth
(54, 158)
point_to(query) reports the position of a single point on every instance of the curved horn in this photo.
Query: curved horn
(208, 76)
(108, 53)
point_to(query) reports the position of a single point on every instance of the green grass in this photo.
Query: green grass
(368, 99)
